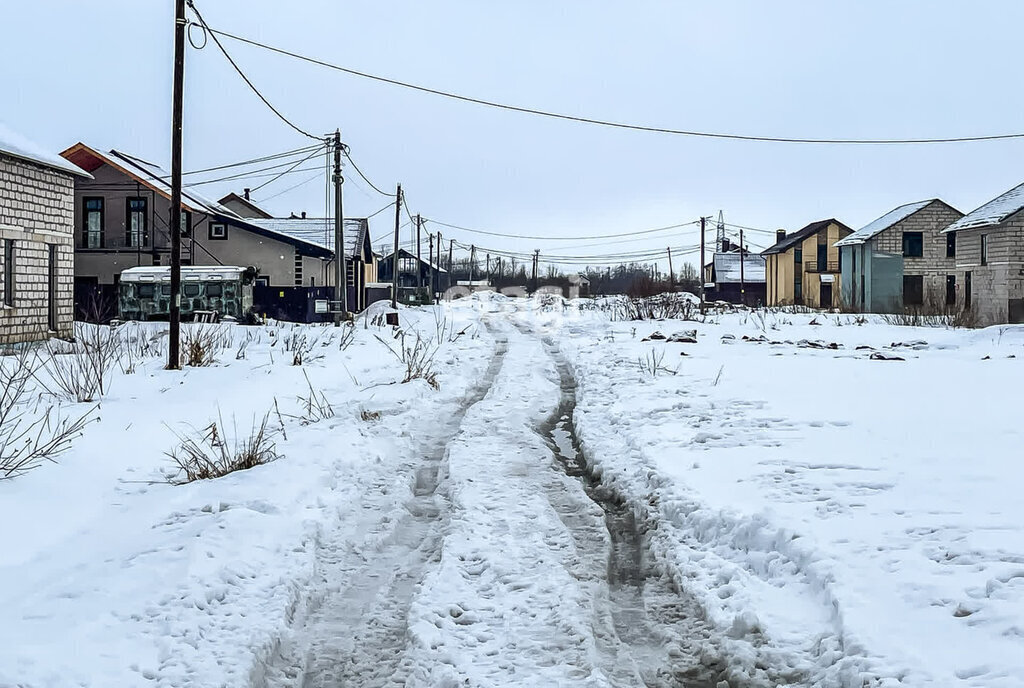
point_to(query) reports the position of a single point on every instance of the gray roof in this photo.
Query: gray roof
(317, 230)
(17, 146)
(883, 223)
(727, 267)
(796, 237)
(992, 213)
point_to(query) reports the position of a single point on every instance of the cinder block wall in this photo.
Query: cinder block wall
(36, 211)
(934, 265)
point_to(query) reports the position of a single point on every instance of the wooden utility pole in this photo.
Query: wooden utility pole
(487, 262)
(472, 262)
(743, 286)
(700, 272)
(340, 264)
(177, 99)
(433, 279)
(451, 244)
(394, 256)
(419, 263)
(536, 260)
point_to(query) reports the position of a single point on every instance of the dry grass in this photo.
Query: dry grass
(211, 453)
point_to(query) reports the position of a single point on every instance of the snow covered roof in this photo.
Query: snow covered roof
(188, 272)
(883, 223)
(318, 231)
(727, 267)
(17, 146)
(992, 213)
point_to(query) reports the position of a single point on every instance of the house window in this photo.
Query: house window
(913, 290)
(218, 231)
(92, 219)
(950, 290)
(913, 244)
(951, 245)
(51, 302)
(984, 249)
(9, 272)
(186, 223)
(136, 226)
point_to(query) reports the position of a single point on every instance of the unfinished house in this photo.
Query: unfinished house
(36, 241)
(990, 257)
(803, 268)
(902, 261)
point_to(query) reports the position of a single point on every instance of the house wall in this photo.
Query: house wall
(933, 265)
(997, 294)
(779, 269)
(36, 212)
(779, 278)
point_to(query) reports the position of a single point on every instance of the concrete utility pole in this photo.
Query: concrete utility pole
(472, 262)
(394, 256)
(743, 286)
(174, 340)
(451, 244)
(419, 262)
(700, 272)
(671, 275)
(433, 281)
(487, 262)
(536, 261)
(340, 264)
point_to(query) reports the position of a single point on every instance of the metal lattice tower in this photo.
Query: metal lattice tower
(720, 238)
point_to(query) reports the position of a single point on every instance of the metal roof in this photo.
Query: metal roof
(883, 223)
(992, 213)
(318, 231)
(727, 267)
(798, 236)
(17, 146)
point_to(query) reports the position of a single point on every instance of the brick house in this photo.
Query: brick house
(36, 241)
(902, 260)
(990, 254)
(803, 268)
(122, 220)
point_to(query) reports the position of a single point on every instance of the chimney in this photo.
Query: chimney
(780, 234)
(725, 245)
(303, 214)
(245, 193)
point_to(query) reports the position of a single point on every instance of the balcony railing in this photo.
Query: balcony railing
(815, 266)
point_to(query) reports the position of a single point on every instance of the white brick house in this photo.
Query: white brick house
(990, 254)
(36, 241)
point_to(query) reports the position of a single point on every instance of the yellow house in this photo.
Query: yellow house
(803, 268)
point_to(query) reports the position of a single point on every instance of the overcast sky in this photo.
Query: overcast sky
(100, 72)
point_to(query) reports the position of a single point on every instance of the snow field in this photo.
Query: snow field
(110, 576)
(847, 520)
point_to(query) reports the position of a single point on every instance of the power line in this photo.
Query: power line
(252, 86)
(251, 176)
(289, 170)
(291, 188)
(255, 173)
(243, 163)
(378, 212)
(558, 238)
(601, 122)
(360, 172)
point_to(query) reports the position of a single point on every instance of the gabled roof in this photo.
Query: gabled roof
(148, 174)
(883, 223)
(798, 236)
(257, 212)
(17, 146)
(992, 213)
(319, 231)
(726, 267)
(408, 254)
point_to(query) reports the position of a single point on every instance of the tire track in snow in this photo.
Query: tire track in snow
(354, 630)
(650, 633)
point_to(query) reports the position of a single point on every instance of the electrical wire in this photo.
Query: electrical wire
(608, 123)
(243, 163)
(289, 170)
(254, 173)
(360, 172)
(206, 27)
(559, 238)
(250, 176)
(378, 212)
(292, 188)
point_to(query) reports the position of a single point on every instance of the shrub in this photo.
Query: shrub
(210, 453)
(201, 342)
(83, 372)
(417, 354)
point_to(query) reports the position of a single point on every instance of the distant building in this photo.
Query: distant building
(36, 241)
(412, 272)
(736, 277)
(902, 260)
(803, 268)
(243, 207)
(990, 252)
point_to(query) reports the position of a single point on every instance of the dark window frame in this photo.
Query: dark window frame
(186, 287)
(984, 249)
(916, 238)
(215, 286)
(950, 290)
(916, 290)
(52, 283)
(186, 222)
(86, 212)
(10, 263)
(214, 237)
(951, 245)
(143, 235)
(148, 286)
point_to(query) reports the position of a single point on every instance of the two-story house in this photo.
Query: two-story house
(902, 260)
(990, 254)
(803, 268)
